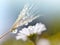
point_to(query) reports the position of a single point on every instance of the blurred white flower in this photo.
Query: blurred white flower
(21, 36)
(25, 32)
(43, 42)
(39, 27)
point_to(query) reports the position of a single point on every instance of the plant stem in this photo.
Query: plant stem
(4, 34)
(34, 43)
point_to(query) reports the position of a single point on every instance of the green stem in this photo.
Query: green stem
(34, 43)
(34, 38)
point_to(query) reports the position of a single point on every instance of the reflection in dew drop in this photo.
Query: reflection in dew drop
(43, 42)
(15, 31)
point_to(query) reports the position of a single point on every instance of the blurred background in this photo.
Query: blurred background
(49, 9)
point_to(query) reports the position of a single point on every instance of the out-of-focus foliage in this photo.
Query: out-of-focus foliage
(55, 40)
(17, 42)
